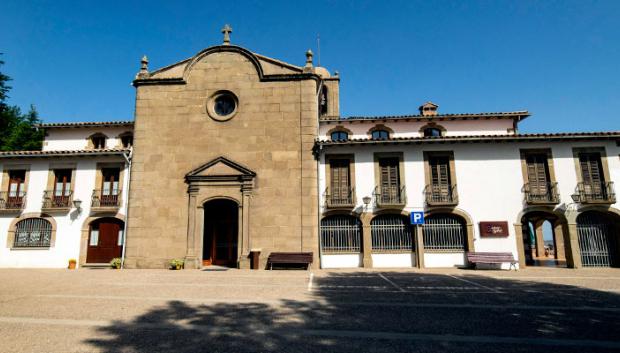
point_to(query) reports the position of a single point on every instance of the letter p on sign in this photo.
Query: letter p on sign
(417, 217)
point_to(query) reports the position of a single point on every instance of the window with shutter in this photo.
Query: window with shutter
(538, 173)
(591, 173)
(390, 180)
(340, 181)
(440, 177)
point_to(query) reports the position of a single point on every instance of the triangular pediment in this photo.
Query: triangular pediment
(220, 167)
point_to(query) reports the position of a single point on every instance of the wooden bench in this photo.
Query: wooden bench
(290, 258)
(491, 258)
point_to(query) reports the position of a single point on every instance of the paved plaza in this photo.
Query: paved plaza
(533, 310)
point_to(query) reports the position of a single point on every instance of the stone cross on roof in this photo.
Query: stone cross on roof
(227, 30)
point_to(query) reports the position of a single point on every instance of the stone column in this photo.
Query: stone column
(520, 245)
(244, 228)
(540, 241)
(573, 257)
(558, 236)
(191, 260)
(366, 241)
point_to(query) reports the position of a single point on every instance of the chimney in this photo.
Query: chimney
(428, 109)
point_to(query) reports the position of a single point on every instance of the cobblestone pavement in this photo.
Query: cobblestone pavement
(533, 310)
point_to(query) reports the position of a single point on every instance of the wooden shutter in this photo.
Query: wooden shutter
(440, 174)
(390, 178)
(591, 172)
(537, 173)
(340, 179)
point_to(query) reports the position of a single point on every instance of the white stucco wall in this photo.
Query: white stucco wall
(76, 138)
(69, 224)
(489, 181)
(393, 260)
(341, 261)
(403, 128)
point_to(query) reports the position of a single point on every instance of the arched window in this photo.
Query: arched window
(444, 232)
(323, 102)
(432, 132)
(33, 233)
(126, 139)
(391, 233)
(98, 141)
(341, 234)
(339, 136)
(380, 135)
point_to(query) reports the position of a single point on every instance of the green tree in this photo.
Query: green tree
(17, 130)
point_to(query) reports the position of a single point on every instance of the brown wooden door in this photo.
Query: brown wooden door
(390, 180)
(592, 174)
(15, 197)
(538, 173)
(220, 237)
(105, 241)
(340, 181)
(440, 177)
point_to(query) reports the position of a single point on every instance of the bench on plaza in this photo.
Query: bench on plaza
(491, 258)
(290, 258)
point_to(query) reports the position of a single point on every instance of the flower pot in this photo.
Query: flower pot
(72, 265)
(178, 267)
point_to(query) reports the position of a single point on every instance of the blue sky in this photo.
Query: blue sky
(558, 59)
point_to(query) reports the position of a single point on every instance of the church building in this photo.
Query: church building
(232, 153)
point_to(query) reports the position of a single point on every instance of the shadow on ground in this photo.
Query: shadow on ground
(363, 312)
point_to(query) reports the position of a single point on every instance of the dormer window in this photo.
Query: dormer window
(339, 136)
(432, 132)
(380, 135)
(98, 141)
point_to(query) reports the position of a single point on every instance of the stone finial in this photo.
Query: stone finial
(144, 68)
(227, 30)
(309, 55)
(336, 73)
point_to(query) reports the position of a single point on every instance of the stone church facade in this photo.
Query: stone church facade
(226, 124)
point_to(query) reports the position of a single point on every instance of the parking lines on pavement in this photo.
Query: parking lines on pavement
(392, 283)
(474, 283)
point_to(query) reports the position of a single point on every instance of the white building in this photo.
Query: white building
(68, 200)
(465, 171)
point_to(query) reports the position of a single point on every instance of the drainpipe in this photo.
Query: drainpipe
(128, 161)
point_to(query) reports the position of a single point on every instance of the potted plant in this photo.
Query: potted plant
(72, 263)
(177, 264)
(116, 263)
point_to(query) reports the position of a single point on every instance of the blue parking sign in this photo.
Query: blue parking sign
(417, 217)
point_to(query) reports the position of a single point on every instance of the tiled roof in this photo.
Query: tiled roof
(604, 135)
(521, 114)
(62, 153)
(86, 124)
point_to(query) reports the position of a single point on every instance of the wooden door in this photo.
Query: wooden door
(440, 178)
(15, 197)
(390, 180)
(62, 187)
(592, 174)
(538, 174)
(110, 186)
(340, 181)
(105, 241)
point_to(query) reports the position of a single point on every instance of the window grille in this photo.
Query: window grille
(33, 232)
(597, 243)
(391, 233)
(341, 234)
(444, 232)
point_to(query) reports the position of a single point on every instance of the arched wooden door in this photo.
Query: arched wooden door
(105, 240)
(220, 233)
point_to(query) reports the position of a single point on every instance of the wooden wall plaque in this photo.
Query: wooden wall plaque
(493, 229)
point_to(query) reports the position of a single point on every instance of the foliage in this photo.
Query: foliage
(116, 262)
(17, 130)
(177, 264)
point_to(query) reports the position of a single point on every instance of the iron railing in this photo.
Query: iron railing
(547, 194)
(340, 200)
(444, 234)
(109, 198)
(441, 195)
(341, 234)
(33, 233)
(595, 192)
(53, 201)
(391, 233)
(12, 201)
(390, 196)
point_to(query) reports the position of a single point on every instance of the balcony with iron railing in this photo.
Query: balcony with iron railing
(597, 193)
(105, 200)
(546, 194)
(441, 195)
(54, 202)
(12, 201)
(336, 200)
(390, 196)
